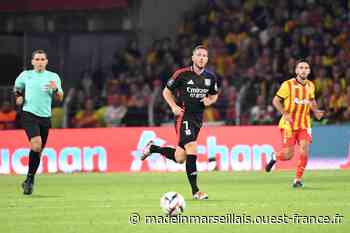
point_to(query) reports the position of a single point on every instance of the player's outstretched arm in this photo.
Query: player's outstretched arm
(19, 88)
(58, 95)
(170, 99)
(277, 103)
(317, 112)
(211, 99)
(19, 97)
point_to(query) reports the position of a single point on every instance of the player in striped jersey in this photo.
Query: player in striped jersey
(294, 100)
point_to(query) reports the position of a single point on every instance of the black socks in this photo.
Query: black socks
(168, 152)
(191, 166)
(34, 161)
(191, 170)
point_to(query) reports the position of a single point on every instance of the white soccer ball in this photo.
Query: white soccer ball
(172, 203)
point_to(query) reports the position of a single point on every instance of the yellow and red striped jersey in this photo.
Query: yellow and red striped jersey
(297, 99)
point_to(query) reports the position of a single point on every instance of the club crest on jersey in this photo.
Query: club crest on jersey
(207, 82)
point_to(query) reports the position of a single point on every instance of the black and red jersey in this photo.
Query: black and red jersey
(189, 88)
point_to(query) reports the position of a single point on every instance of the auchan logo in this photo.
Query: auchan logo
(241, 157)
(68, 159)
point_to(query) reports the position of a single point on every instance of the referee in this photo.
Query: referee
(34, 90)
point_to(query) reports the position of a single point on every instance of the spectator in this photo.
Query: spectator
(86, 118)
(57, 116)
(337, 103)
(210, 114)
(261, 114)
(136, 114)
(115, 111)
(254, 49)
(7, 116)
(322, 83)
(347, 110)
(253, 89)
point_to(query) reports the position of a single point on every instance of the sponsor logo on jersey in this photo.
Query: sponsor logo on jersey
(197, 92)
(301, 101)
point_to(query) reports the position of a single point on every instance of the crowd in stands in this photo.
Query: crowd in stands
(253, 46)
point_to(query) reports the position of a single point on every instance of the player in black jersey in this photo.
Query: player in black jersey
(188, 92)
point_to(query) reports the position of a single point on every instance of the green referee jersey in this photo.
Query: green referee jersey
(38, 97)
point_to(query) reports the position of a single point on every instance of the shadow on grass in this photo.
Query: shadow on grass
(209, 200)
(308, 188)
(42, 196)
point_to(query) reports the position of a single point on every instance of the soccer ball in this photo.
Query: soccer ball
(172, 203)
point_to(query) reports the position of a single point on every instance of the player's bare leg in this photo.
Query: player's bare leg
(180, 155)
(302, 162)
(285, 154)
(191, 170)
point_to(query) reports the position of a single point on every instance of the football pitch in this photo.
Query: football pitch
(93, 202)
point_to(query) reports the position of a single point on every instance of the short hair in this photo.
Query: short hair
(38, 51)
(200, 47)
(301, 61)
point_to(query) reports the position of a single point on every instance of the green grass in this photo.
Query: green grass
(102, 202)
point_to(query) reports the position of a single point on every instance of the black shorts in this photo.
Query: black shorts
(187, 128)
(36, 126)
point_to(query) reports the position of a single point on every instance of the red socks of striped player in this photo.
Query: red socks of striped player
(303, 159)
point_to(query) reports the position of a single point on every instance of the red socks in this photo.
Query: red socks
(301, 166)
